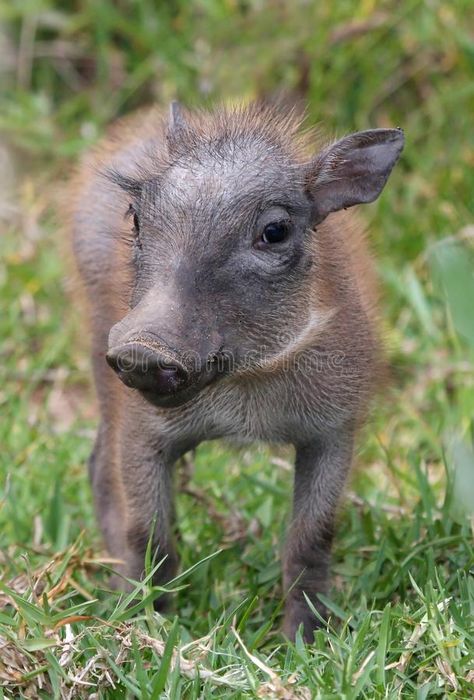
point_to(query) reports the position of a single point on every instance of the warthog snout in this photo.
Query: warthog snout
(161, 375)
(139, 367)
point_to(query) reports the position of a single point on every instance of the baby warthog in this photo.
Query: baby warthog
(229, 297)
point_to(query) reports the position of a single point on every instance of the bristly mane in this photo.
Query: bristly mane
(243, 124)
(219, 134)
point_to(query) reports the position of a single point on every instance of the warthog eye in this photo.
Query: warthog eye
(136, 223)
(275, 232)
(131, 213)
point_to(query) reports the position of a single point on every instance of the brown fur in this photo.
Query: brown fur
(333, 311)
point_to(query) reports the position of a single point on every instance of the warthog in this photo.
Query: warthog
(234, 298)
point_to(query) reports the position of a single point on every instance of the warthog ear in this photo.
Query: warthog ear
(178, 127)
(176, 117)
(353, 170)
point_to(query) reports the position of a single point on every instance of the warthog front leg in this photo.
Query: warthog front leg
(141, 504)
(320, 473)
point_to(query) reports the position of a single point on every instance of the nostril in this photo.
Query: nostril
(169, 377)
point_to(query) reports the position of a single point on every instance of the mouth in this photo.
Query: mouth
(178, 398)
(186, 394)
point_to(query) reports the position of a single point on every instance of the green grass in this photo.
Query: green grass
(402, 598)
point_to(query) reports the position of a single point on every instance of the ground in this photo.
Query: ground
(402, 597)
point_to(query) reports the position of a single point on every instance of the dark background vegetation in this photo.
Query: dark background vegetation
(402, 599)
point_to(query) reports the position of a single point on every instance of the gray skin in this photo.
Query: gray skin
(215, 329)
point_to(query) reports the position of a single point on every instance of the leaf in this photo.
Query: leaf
(384, 637)
(159, 680)
(38, 644)
(415, 294)
(454, 271)
(461, 467)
